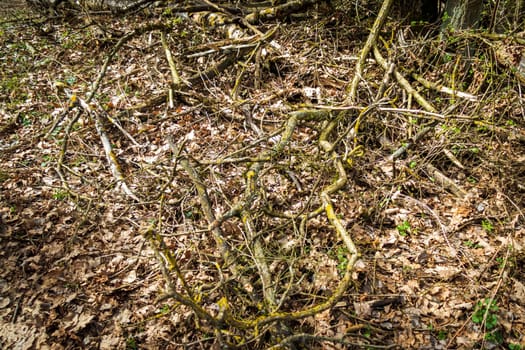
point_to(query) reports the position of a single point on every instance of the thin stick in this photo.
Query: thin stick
(370, 42)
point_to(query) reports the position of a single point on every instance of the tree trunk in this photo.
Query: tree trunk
(461, 14)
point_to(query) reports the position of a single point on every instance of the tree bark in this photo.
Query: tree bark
(462, 14)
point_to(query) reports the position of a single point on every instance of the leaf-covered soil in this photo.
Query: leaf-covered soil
(439, 229)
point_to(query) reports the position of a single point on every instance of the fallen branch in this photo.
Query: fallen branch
(108, 149)
(370, 42)
(404, 83)
(444, 89)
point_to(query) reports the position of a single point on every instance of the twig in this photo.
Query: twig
(445, 181)
(370, 42)
(404, 83)
(444, 89)
(108, 149)
(173, 68)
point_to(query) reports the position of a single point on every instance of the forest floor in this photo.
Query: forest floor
(86, 260)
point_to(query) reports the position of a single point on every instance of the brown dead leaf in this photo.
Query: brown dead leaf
(518, 291)
(445, 273)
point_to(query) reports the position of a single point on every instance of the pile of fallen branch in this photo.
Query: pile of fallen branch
(259, 201)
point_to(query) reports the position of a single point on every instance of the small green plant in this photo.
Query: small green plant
(471, 244)
(342, 260)
(59, 195)
(455, 149)
(446, 17)
(487, 226)
(367, 332)
(418, 23)
(442, 335)
(515, 347)
(404, 228)
(25, 120)
(70, 80)
(494, 337)
(482, 128)
(131, 344)
(489, 307)
(472, 180)
(164, 309)
(176, 20)
(453, 129)
(412, 164)
(501, 262)
(45, 160)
